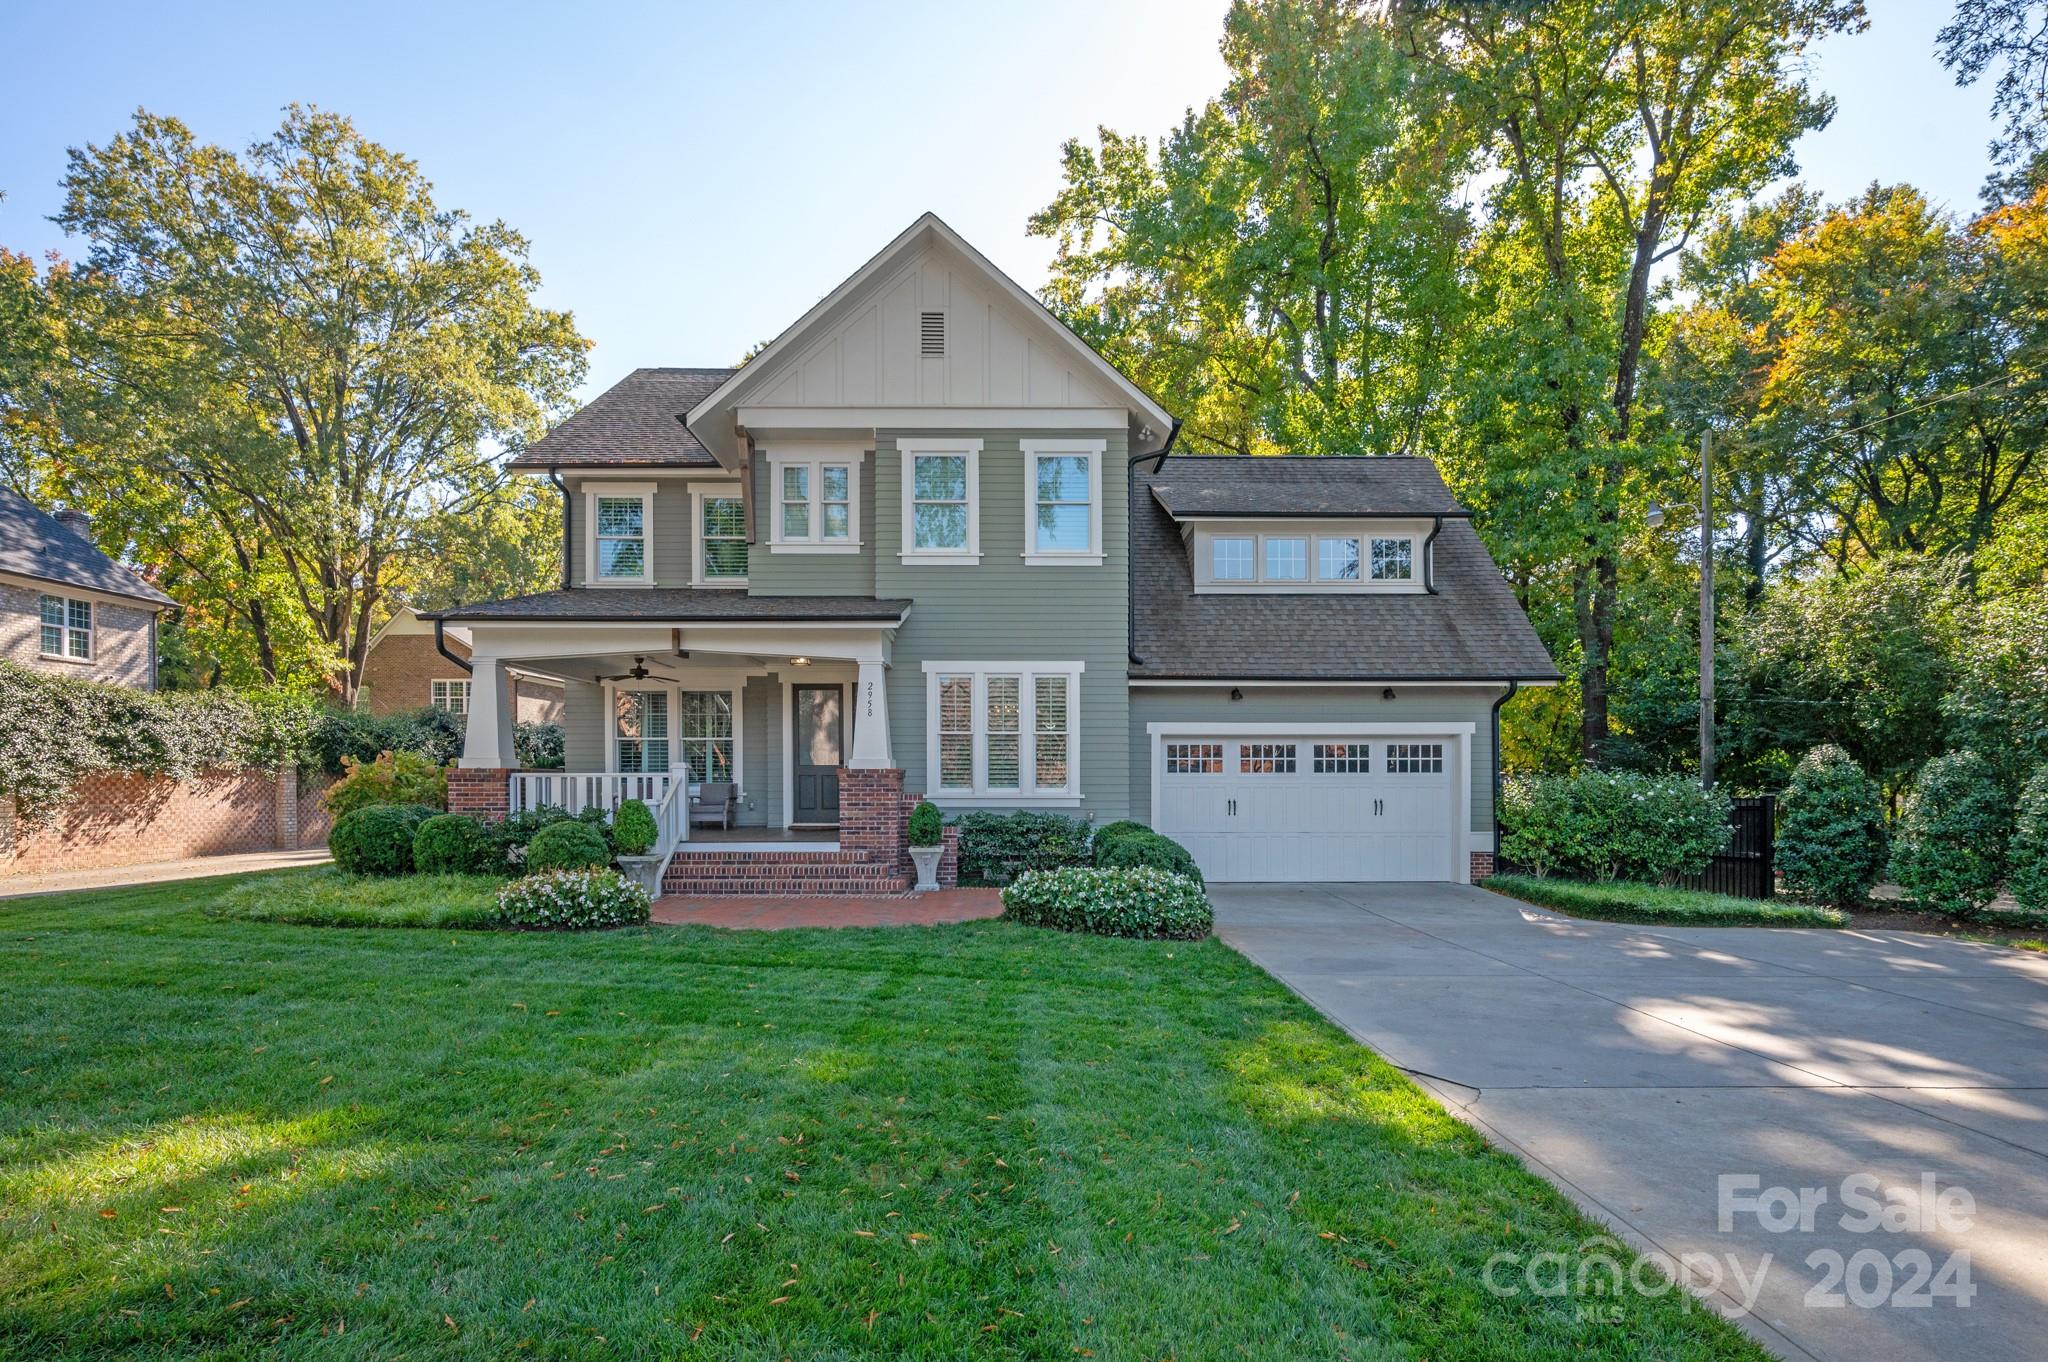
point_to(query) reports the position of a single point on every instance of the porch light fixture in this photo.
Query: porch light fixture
(799, 662)
(1236, 694)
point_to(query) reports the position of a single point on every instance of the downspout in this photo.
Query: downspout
(441, 647)
(555, 477)
(1429, 561)
(1512, 687)
(1158, 458)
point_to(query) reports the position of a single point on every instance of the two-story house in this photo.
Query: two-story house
(67, 608)
(929, 540)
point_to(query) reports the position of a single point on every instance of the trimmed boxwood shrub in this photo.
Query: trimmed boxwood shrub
(995, 848)
(571, 900)
(927, 826)
(1144, 847)
(633, 830)
(2027, 875)
(377, 840)
(1612, 825)
(514, 832)
(454, 844)
(1138, 901)
(1950, 842)
(1109, 833)
(1831, 838)
(571, 845)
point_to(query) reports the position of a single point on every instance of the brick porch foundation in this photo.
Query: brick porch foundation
(481, 791)
(872, 858)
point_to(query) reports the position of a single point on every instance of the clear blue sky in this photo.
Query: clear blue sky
(693, 177)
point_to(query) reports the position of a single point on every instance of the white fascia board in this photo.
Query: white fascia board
(1205, 727)
(855, 423)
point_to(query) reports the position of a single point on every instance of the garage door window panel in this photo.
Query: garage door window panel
(1343, 759)
(1194, 758)
(1415, 759)
(1266, 758)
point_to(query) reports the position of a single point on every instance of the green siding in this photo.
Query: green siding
(674, 526)
(1001, 610)
(1308, 704)
(583, 727)
(761, 764)
(811, 574)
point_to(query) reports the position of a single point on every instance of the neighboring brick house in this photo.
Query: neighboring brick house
(67, 608)
(404, 670)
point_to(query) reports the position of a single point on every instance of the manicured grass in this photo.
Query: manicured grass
(1623, 902)
(329, 897)
(238, 1139)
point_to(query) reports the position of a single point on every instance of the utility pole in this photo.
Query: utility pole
(1707, 611)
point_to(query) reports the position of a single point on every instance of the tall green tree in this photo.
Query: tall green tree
(1283, 269)
(1617, 128)
(2011, 36)
(284, 367)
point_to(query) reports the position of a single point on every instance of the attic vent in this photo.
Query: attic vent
(932, 333)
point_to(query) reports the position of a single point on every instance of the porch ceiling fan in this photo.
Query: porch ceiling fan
(638, 672)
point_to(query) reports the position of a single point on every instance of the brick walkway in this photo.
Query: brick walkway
(776, 914)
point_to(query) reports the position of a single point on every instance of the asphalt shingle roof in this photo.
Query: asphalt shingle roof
(667, 603)
(34, 543)
(1193, 487)
(1471, 629)
(635, 423)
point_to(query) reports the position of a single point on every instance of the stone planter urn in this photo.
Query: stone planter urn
(644, 871)
(926, 859)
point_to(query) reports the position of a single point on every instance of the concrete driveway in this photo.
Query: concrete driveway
(1639, 1067)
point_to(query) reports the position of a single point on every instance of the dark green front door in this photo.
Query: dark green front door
(814, 739)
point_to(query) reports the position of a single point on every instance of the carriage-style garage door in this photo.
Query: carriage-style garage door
(1308, 806)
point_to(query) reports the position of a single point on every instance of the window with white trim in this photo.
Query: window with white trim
(1286, 558)
(816, 500)
(621, 534)
(1063, 501)
(1003, 730)
(1265, 758)
(707, 735)
(1194, 758)
(1343, 758)
(452, 696)
(1231, 558)
(1415, 758)
(941, 496)
(640, 726)
(1337, 558)
(722, 547)
(1393, 560)
(66, 628)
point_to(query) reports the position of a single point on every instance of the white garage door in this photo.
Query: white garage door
(1310, 808)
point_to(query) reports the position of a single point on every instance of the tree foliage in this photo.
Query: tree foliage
(1831, 833)
(1949, 850)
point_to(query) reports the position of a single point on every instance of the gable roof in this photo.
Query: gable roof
(1471, 629)
(928, 229)
(635, 423)
(34, 543)
(1201, 488)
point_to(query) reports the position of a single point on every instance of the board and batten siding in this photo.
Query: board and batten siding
(1309, 706)
(1002, 610)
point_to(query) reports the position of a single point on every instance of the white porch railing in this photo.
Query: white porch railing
(665, 793)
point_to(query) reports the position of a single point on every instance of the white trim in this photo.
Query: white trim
(451, 682)
(618, 492)
(1460, 734)
(1093, 451)
(855, 422)
(1026, 795)
(814, 456)
(698, 496)
(1202, 538)
(67, 629)
(728, 680)
(907, 452)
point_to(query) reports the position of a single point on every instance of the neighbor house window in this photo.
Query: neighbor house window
(641, 718)
(1004, 732)
(452, 696)
(1393, 560)
(708, 735)
(1063, 501)
(816, 500)
(724, 544)
(941, 491)
(67, 628)
(621, 520)
(1230, 558)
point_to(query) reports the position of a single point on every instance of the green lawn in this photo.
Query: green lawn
(330, 897)
(237, 1139)
(1620, 901)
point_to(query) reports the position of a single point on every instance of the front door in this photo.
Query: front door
(814, 718)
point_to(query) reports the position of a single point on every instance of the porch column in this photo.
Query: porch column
(487, 741)
(870, 719)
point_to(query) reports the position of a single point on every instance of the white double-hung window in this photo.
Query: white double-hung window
(815, 499)
(1003, 732)
(66, 628)
(621, 542)
(1063, 502)
(721, 538)
(941, 500)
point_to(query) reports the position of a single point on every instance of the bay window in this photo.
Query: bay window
(1003, 732)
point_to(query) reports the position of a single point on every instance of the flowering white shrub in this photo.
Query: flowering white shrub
(1130, 901)
(570, 900)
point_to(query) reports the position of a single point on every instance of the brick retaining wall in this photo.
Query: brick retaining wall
(116, 820)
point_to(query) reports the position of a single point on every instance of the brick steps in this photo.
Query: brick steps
(794, 873)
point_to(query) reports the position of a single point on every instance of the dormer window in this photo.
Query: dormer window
(1318, 556)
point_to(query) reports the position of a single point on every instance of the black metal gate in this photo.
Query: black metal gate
(1746, 866)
